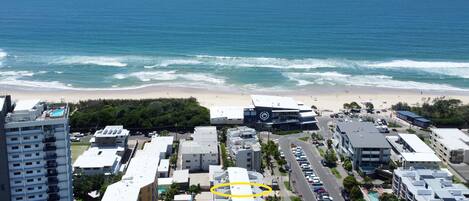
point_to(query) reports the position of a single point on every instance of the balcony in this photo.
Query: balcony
(50, 156)
(50, 148)
(52, 173)
(49, 139)
(53, 197)
(52, 180)
(53, 189)
(51, 165)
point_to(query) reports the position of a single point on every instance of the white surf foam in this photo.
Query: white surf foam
(146, 76)
(418, 64)
(333, 78)
(94, 60)
(3, 54)
(269, 62)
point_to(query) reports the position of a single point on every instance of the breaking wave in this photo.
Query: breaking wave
(146, 76)
(334, 78)
(90, 60)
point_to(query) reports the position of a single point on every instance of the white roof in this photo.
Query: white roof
(112, 131)
(452, 138)
(193, 147)
(181, 176)
(142, 170)
(212, 169)
(308, 114)
(165, 181)
(416, 143)
(274, 102)
(183, 197)
(420, 157)
(164, 165)
(22, 105)
(205, 134)
(228, 112)
(97, 157)
(237, 174)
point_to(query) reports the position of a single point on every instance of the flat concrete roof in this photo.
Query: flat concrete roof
(279, 102)
(228, 112)
(23, 105)
(416, 143)
(96, 157)
(363, 135)
(452, 138)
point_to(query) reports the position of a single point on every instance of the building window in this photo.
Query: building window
(15, 156)
(29, 163)
(19, 198)
(27, 146)
(16, 165)
(14, 139)
(30, 188)
(35, 137)
(27, 155)
(14, 147)
(29, 172)
(37, 153)
(19, 190)
(36, 145)
(31, 196)
(16, 173)
(26, 138)
(29, 180)
(17, 182)
(38, 162)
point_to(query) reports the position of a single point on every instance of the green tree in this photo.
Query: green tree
(388, 197)
(348, 165)
(349, 182)
(330, 157)
(329, 143)
(356, 193)
(369, 106)
(195, 189)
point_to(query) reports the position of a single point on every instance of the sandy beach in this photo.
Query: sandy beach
(330, 98)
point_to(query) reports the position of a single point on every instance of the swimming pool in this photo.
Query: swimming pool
(57, 113)
(373, 196)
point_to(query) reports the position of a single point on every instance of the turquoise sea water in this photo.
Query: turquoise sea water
(264, 44)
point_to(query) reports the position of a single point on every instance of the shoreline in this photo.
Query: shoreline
(323, 97)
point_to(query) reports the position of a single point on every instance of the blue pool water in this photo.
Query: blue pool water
(57, 113)
(262, 44)
(374, 196)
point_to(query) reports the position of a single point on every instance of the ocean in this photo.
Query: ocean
(245, 44)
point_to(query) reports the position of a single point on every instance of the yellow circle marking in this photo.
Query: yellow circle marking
(263, 193)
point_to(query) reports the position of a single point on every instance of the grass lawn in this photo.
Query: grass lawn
(305, 139)
(295, 198)
(283, 173)
(78, 149)
(287, 185)
(321, 152)
(336, 173)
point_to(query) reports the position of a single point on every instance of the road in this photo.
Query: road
(328, 179)
(297, 178)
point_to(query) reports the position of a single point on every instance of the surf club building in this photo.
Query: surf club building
(267, 113)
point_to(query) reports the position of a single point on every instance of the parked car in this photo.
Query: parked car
(75, 139)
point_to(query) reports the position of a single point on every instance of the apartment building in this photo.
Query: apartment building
(410, 151)
(450, 144)
(35, 160)
(427, 185)
(244, 148)
(111, 136)
(363, 144)
(201, 152)
(140, 181)
(236, 174)
(277, 112)
(108, 146)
